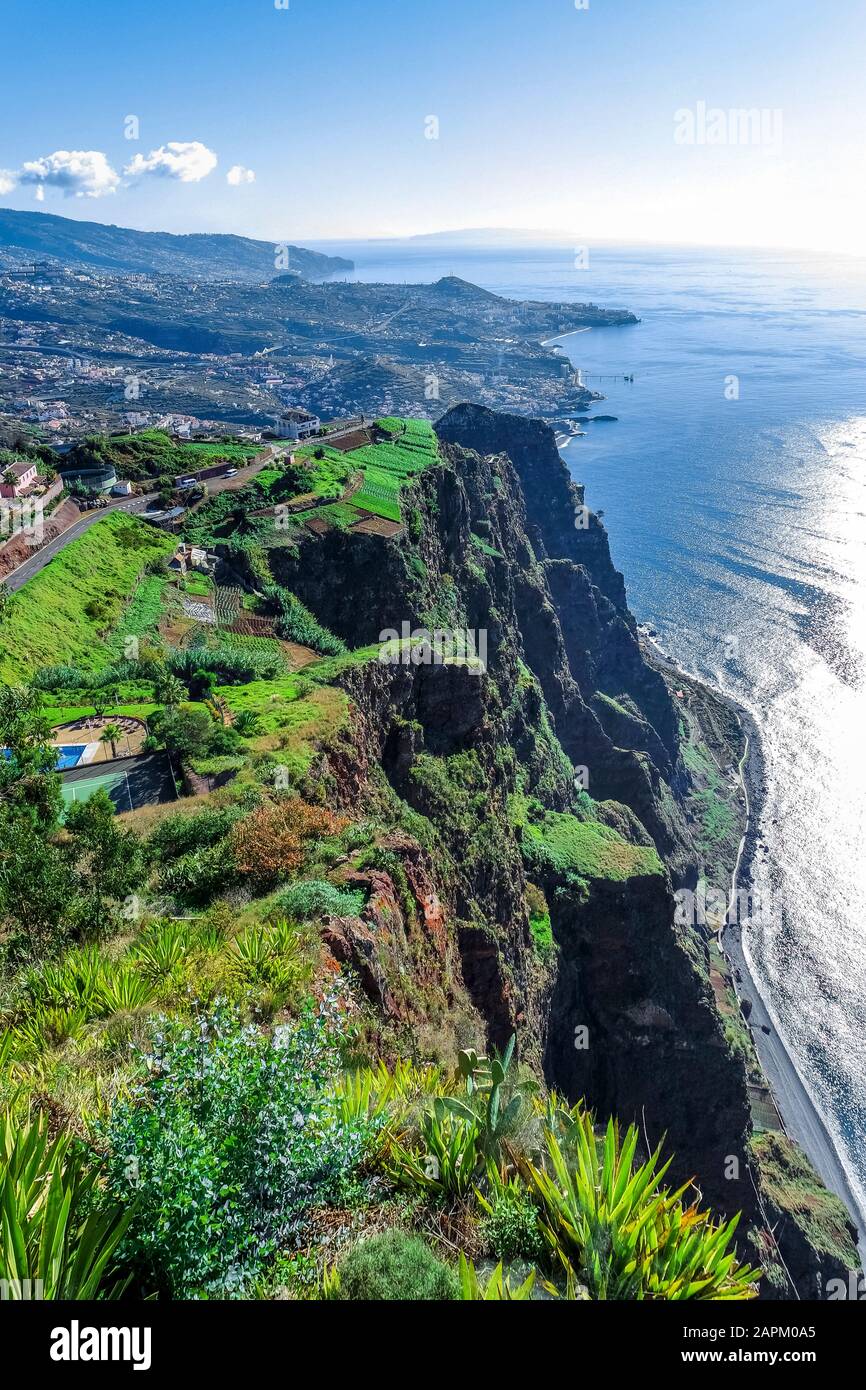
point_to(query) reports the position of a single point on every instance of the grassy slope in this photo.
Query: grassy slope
(589, 849)
(47, 622)
(791, 1183)
(291, 725)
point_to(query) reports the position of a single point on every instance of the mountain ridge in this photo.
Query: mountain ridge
(206, 255)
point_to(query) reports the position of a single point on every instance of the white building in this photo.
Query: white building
(22, 475)
(297, 424)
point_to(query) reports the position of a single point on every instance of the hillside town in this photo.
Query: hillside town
(85, 351)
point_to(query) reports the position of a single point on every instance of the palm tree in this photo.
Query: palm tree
(110, 734)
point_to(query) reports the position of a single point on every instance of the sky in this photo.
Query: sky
(305, 120)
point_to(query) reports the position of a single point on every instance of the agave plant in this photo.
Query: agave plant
(272, 956)
(56, 1240)
(608, 1219)
(451, 1156)
(497, 1288)
(74, 982)
(47, 1028)
(330, 1283)
(369, 1092)
(158, 950)
(125, 991)
(251, 952)
(208, 937)
(11, 1056)
(364, 1094)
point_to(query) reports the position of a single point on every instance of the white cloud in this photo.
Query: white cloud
(79, 173)
(8, 181)
(188, 161)
(40, 193)
(239, 173)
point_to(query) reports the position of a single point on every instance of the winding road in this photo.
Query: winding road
(132, 505)
(801, 1117)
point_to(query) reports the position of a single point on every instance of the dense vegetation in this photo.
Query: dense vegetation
(154, 454)
(160, 1038)
(206, 1089)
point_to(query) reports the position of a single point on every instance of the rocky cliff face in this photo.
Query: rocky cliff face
(560, 767)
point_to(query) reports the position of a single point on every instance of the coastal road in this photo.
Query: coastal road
(800, 1115)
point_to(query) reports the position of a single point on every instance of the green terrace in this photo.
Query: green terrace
(358, 485)
(367, 481)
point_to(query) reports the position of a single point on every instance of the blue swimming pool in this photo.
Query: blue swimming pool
(69, 755)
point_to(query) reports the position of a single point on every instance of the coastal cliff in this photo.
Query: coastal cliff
(544, 817)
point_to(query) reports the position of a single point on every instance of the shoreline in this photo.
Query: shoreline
(798, 1108)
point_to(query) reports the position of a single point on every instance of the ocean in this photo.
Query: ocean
(733, 486)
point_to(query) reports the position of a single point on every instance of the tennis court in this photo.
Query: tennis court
(130, 782)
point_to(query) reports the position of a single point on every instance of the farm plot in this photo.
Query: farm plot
(409, 447)
(227, 604)
(142, 614)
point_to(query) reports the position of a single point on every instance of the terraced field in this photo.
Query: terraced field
(409, 447)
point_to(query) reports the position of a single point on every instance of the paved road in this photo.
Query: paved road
(134, 505)
(801, 1117)
(40, 558)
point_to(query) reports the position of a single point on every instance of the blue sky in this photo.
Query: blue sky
(549, 116)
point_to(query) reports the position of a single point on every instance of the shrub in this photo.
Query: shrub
(313, 897)
(227, 1140)
(510, 1224)
(196, 877)
(180, 834)
(395, 1266)
(269, 844)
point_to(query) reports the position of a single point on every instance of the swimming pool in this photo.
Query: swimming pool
(69, 755)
